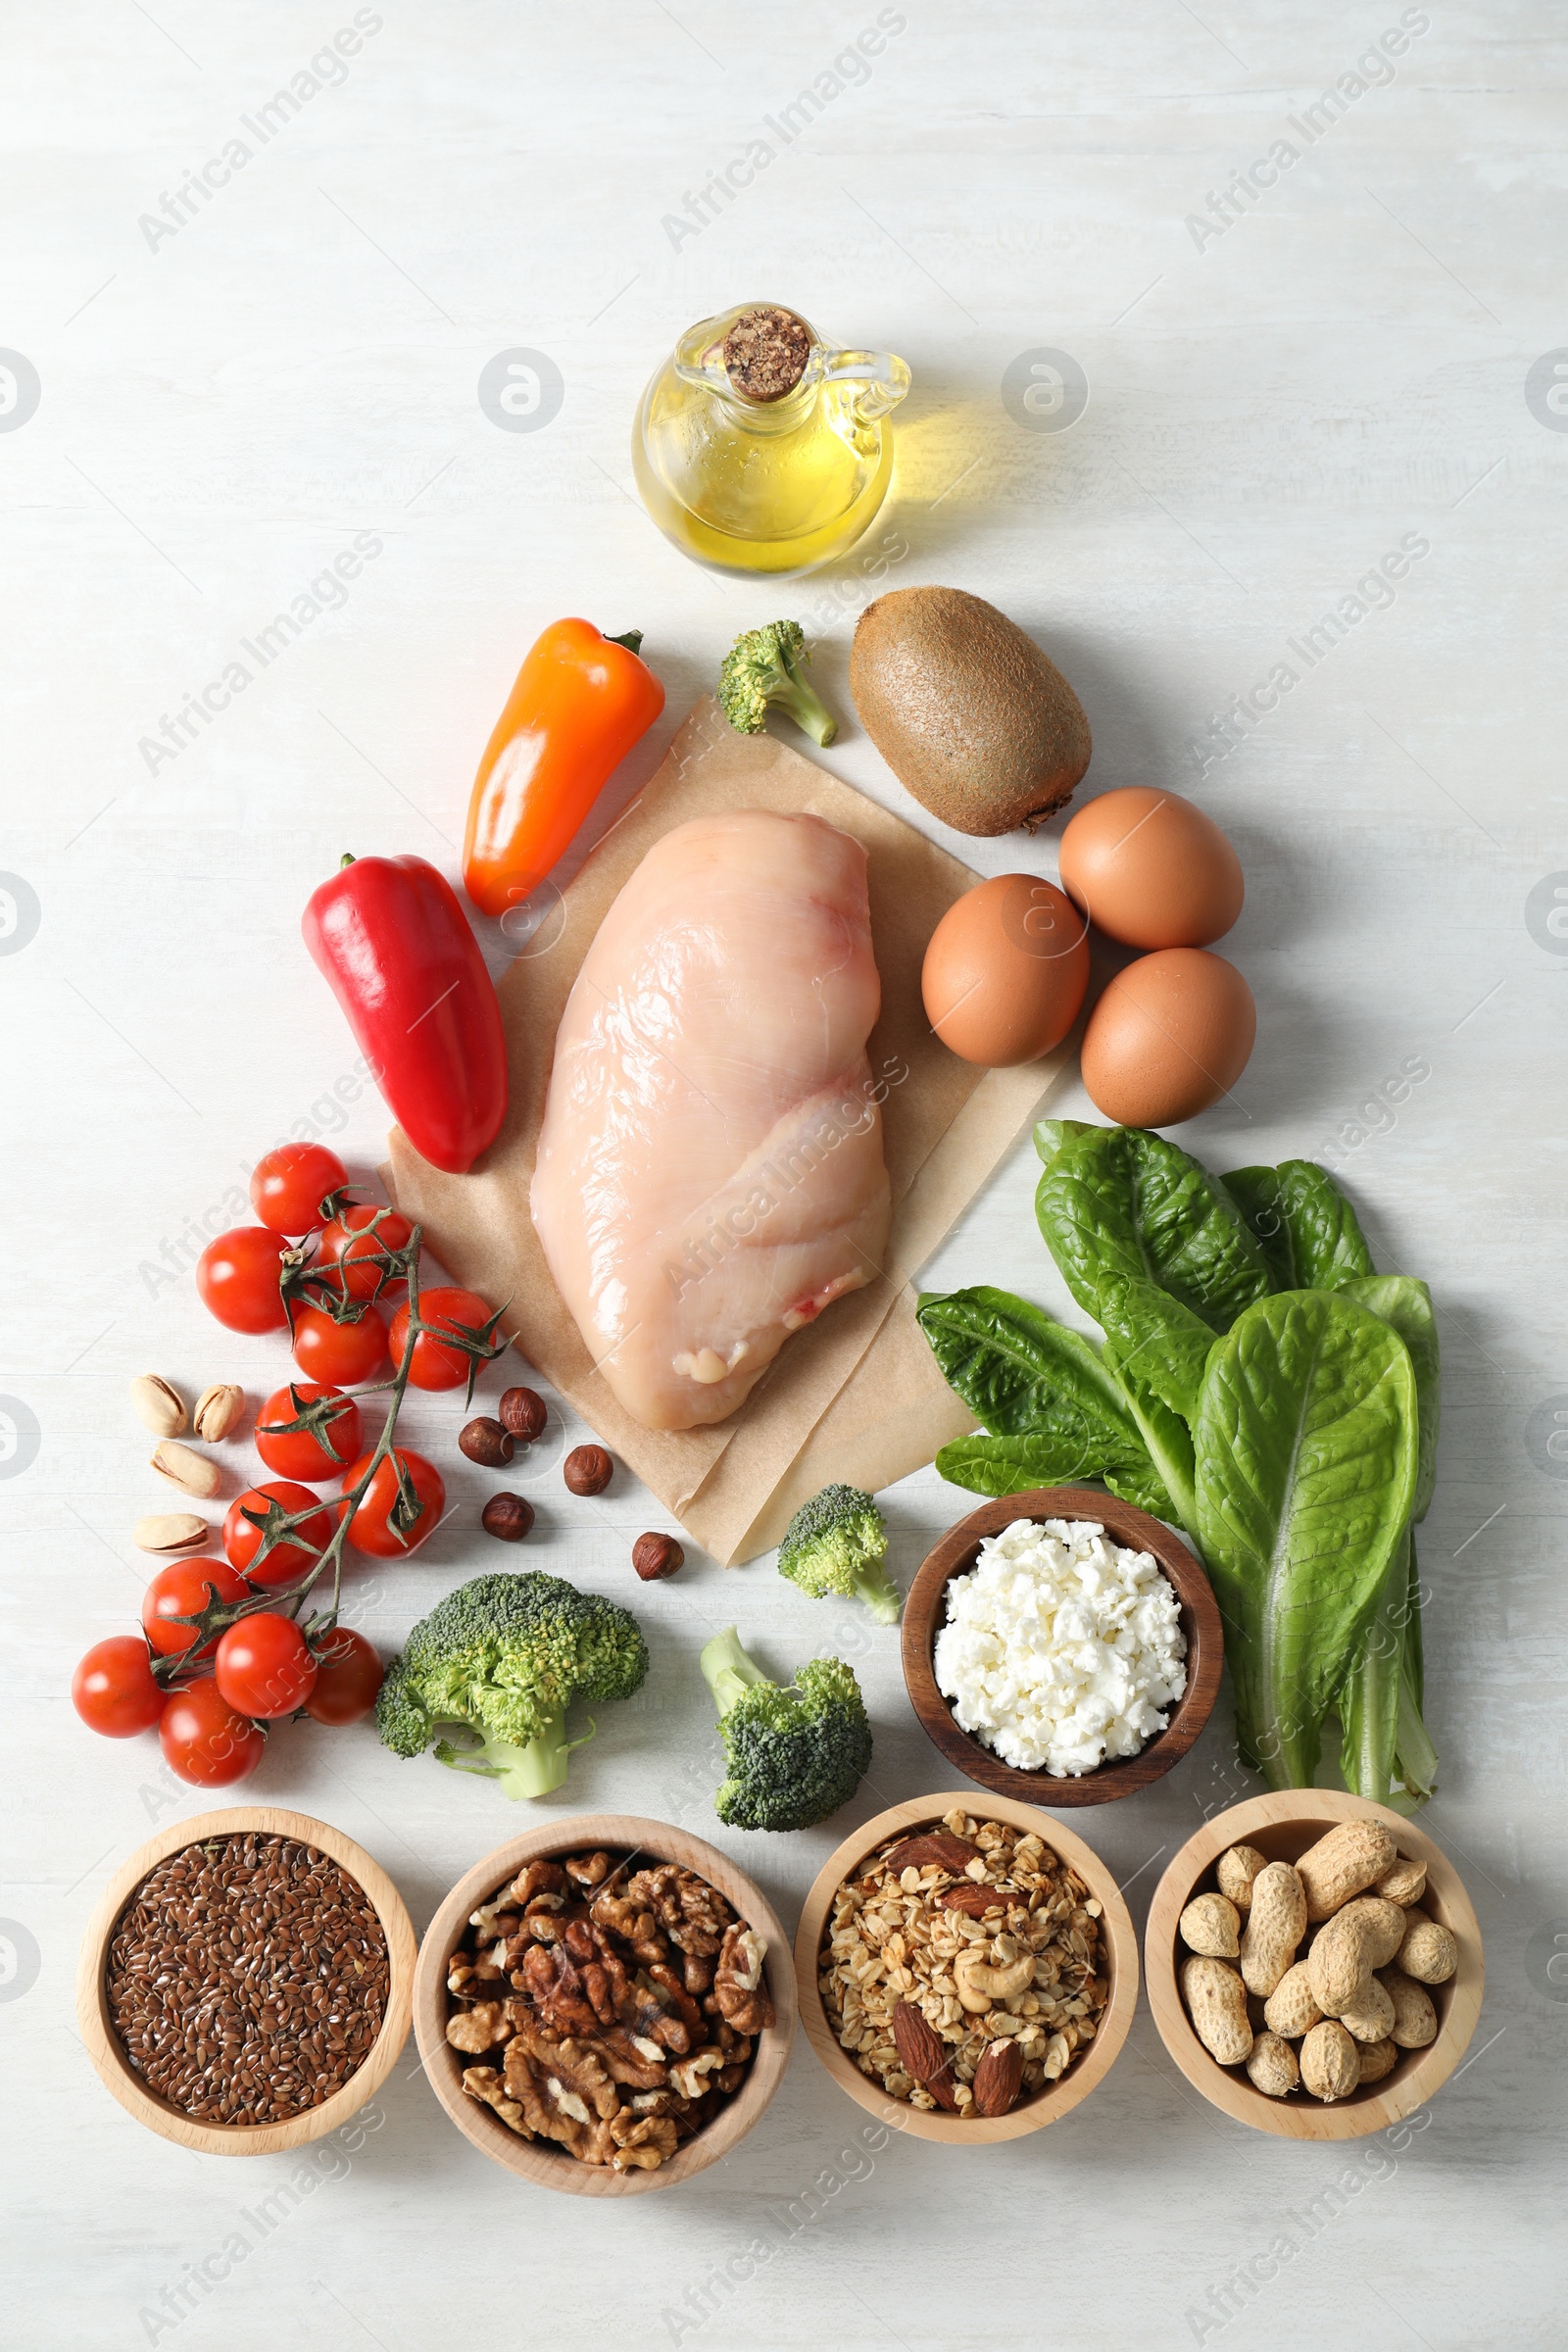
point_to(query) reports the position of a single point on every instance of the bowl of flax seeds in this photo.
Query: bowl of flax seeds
(244, 1984)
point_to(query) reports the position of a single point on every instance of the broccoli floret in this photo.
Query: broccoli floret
(763, 667)
(834, 1548)
(796, 1752)
(503, 1657)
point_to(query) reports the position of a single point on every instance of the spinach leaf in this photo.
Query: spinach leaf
(1012, 1465)
(1024, 1376)
(1406, 1303)
(1052, 1134)
(1307, 1228)
(1120, 1201)
(1306, 1465)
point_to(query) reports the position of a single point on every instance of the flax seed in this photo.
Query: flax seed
(221, 1965)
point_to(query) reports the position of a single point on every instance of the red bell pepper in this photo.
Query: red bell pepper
(393, 939)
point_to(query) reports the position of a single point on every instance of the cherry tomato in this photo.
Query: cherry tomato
(180, 1590)
(264, 1666)
(338, 1353)
(348, 1675)
(237, 1276)
(205, 1741)
(290, 1184)
(288, 1559)
(370, 1528)
(435, 1366)
(323, 1448)
(351, 1243)
(113, 1689)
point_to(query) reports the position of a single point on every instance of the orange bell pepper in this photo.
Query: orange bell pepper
(580, 701)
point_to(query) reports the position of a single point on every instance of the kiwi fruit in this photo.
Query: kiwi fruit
(972, 716)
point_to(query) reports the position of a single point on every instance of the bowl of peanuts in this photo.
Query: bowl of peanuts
(605, 2006)
(1314, 1964)
(968, 1970)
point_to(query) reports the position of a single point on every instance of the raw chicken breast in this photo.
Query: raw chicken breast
(709, 1173)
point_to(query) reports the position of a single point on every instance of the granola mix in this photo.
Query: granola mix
(616, 2010)
(961, 1967)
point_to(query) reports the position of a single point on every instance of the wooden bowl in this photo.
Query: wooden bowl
(1283, 1826)
(925, 1613)
(1120, 1965)
(103, 2043)
(552, 2166)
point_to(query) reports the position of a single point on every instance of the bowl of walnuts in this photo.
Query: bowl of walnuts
(605, 2006)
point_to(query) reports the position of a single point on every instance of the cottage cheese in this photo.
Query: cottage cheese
(1060, 1648)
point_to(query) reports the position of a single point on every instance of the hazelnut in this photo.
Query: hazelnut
(216, 1412)
(159, 1406)
(587, 1470)
(654, 1556)
(485, 1441)
(522, 1414)
(506, 1516)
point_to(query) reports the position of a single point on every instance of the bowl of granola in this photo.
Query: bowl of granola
(605, 2006)
(970, 1974)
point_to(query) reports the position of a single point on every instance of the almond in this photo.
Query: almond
(974, 1900)
(939, 1847)
(996, 2078)
(925, 2056)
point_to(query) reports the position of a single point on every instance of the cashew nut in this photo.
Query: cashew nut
(979, 1984)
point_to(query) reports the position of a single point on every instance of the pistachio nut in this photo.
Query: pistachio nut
(169, 1532)
(159, 1404)
(183, 1468)
(217, 1411)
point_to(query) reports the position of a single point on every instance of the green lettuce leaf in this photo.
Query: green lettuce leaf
(1306, 1466)
(1120, 1201)
(1406, 1303)
(1307, 1228)
(1015, 1465)
(1151, 1336)
(1369, 1700)
(1025, 1377)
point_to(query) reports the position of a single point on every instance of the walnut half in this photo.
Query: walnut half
(738, 1986)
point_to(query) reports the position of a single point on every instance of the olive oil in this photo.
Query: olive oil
(779, 480)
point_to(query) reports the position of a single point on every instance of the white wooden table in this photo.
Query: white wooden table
(238, 378)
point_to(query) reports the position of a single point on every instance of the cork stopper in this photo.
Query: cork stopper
(765, 353)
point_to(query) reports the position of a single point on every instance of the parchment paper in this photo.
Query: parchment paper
(856, 1395)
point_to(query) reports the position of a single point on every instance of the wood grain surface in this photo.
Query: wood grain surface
(925, 1614)
(1280, 384)
(532, 2160)
(1282, 1825)
(1119, 1965)
(102, 2044)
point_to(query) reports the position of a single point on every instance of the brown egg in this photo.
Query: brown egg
(1005, 971)
(1172, 1034)
(1151, 870)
